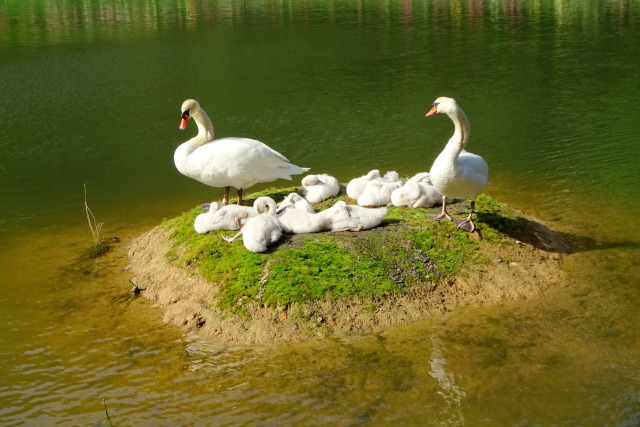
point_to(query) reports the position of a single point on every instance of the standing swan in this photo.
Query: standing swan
(227, 162)
(457, 173)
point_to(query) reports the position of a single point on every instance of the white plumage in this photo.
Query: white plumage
(296, 201)
(261, 231)
(230, 217)
(416, 194)
(318, 188)
(227, 162)
(377, 192)
(343, 217)
(356, 186)
(455, 172)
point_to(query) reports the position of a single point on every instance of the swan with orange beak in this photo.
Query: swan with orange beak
(227, 162)
(457, 173)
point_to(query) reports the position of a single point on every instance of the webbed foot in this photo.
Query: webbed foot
(231, 239)
(440, 217)
(465, 224)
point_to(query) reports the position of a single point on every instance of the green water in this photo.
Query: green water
(91, 94)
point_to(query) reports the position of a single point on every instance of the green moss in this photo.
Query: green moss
(408, 250)
(320, 267)
(498, 219)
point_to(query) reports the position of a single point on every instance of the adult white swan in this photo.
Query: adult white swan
(227, 162)
(455, 172)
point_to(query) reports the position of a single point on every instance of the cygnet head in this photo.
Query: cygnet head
(262, 203)
(310, 180)
(287, 202)
(392, 176)
(373, 174)
(188, 109)
(443, 105)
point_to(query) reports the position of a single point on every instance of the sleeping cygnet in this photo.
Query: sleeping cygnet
(299, 221)
(378, 191)
(416, 194)
(356, 186)
(343, 217)
(318, 188)
(229, 217)
(262, 230)
(295, 201)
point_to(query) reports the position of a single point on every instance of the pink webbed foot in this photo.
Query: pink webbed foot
(231, 239)
(465, 224)
(440, 217)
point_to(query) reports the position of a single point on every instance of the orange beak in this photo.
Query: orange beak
(433, 110)
(185, 119)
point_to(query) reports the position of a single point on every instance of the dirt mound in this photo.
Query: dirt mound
(520, 267)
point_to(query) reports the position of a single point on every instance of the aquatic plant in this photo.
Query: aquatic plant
(100, 246)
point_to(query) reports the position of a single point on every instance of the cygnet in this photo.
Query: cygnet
(262, 230)
(343, 217)
(355, 187)
(229, 217)
(318, 188)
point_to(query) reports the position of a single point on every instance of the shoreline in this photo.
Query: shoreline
(521, 267)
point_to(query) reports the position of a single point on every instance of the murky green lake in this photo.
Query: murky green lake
(91, 93)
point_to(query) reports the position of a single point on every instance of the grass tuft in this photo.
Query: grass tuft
(100, 246)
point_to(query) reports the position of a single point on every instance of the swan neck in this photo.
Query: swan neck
(205, 127)
(205, 134)
(462, 129)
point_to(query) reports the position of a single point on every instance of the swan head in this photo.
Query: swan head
(188, 109)
(443, 105)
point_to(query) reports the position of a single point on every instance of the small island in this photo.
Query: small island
(337, 283)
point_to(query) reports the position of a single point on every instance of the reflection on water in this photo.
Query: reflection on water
(91, 94)
(452, 394)
(558, 359)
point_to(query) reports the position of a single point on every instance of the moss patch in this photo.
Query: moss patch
(408, 250)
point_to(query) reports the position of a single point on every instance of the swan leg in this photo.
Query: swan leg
(225, 198)
(467, 224)
(239, 196)
(444, 215)
(232, 239)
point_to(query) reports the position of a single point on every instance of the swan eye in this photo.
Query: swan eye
(185, 115)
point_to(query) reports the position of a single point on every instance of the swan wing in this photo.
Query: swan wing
(473, 168)
(239, 162)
